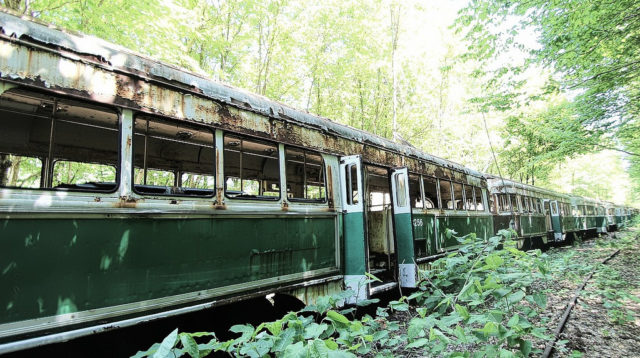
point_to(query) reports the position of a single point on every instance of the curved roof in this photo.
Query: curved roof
(120, 59)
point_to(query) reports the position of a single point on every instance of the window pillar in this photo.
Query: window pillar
(126, 152)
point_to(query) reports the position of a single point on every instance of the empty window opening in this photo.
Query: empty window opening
(514, 202)
(504, 205)
(251, 168)
(58, 143)
(457, 196)
(492, 204)
(305, 175)
(526, 204)
(478, 195)
(446, 195)
(172, 158)
(469, 200)
(415, 195)
(19, 171)
(431, 193)
(68, 174)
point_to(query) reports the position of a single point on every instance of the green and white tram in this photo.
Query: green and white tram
(131, 190)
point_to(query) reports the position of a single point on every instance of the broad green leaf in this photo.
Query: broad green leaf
(541, 299)
(296, 350)
(190, 345)
(463, 312)
(337, 317)
(166, 345)
(246, 331)
(525, 347)
(420, 342)
(284, 339)
(515, 297)
(314, 330)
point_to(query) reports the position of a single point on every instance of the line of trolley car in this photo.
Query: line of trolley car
(132, 190)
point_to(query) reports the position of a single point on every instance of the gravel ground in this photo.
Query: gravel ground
(605, 321)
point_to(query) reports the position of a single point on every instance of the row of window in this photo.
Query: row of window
(62, 144)
(437, 193)
(517, 204)
(524, 204)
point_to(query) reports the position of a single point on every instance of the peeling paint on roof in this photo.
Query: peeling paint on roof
(119, 59)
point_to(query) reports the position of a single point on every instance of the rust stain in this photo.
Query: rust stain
(330, 187)
(126, 202)
(285, 205)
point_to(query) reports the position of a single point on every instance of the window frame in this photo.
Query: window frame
(438, 203)
(280, 181)
(46, 171)
(443, 205)
(176, 174)
(420, 189)
(325, 200)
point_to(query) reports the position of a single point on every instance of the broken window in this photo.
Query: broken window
(431, 193)
(414, 191)
(458, 199)
(503, 203)
(305, 175)
(469, 200)
(251, 168)
(514, 202)
(54, 142)
(446, 195)
(492, 204)
(171, 158)
(478, 196)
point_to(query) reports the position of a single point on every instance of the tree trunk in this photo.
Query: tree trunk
(395, 24)
(5, 165)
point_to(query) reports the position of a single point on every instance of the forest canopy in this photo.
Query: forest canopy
(552, 85)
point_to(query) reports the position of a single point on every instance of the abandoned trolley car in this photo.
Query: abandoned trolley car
(132, 190)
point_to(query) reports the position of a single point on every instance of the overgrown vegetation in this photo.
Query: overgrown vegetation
(474, 302)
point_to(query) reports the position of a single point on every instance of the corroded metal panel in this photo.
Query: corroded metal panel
(102, 71)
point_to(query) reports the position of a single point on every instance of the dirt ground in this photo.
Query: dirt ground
(605, 322)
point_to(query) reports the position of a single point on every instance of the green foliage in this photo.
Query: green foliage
(476, 301)
(584, 51)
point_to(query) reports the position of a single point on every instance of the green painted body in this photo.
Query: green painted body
(556, 224)
(530, 225)
(404, 237)
(56, 266)
(354, 244)
(591, 222)
(533, 225)
(428, 243)
(569, 224)
(601, 222)
(424, 234)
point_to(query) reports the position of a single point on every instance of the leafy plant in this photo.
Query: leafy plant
(477, 300)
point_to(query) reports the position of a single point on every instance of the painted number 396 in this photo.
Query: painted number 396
(417, 222)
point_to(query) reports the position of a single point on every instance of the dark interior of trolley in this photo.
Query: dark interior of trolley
(379, 216)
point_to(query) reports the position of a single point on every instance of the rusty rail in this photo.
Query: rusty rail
(572, 302)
